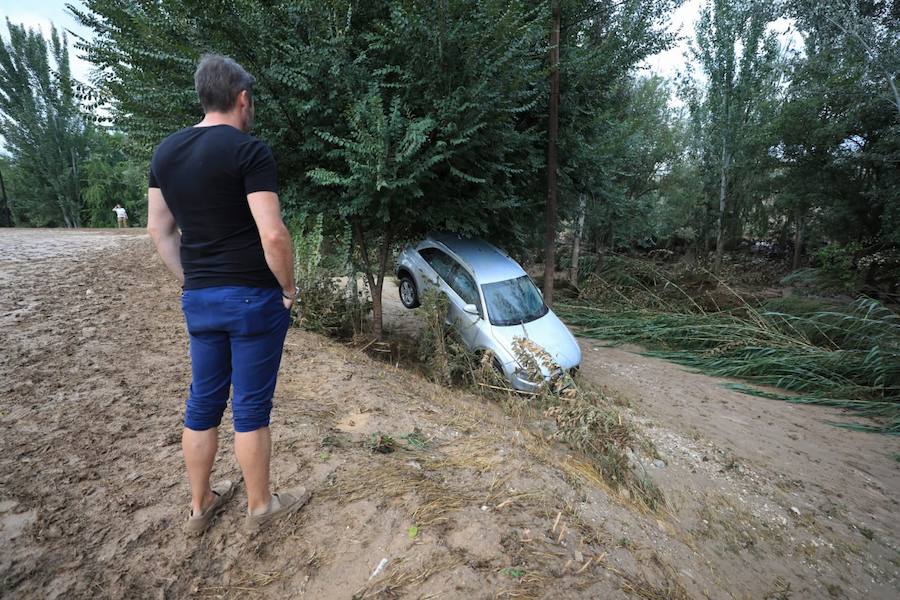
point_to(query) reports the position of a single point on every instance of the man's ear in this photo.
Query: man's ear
(244, 99)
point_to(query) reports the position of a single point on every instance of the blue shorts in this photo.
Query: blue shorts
(237, 336)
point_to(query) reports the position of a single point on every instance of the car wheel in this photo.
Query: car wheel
(409, 296)
(496, 365)
(498, 368)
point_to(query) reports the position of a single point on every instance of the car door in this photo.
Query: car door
(421, 268)
(465, 291)
(458, 285)
(440, 264)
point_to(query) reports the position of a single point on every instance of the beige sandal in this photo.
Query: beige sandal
(282, 504)
(198, 523)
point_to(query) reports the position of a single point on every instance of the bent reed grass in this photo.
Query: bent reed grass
(846, 357)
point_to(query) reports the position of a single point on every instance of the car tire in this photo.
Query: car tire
(498, 367)
(409, 295)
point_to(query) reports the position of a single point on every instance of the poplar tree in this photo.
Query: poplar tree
(739, 64)
(42, 126)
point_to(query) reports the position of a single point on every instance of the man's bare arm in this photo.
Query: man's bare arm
(164, 232)
(276, 240)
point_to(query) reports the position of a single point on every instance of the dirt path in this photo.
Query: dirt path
(93, 371)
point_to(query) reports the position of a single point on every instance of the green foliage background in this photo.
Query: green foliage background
(393, 117)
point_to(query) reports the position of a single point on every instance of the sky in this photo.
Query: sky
(668, 63)
(39, 14)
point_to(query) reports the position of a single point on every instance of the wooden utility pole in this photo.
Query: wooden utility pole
(550, 238)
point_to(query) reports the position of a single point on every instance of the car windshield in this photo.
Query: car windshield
(513, 302)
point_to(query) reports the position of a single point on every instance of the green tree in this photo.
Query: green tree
(601, 42)
(111, 177)
(396, 117)
(42, 126)
(840, 141)
(731, 103)
(639, 149)
(437, 140)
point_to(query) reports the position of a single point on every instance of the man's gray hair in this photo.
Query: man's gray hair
(219, 80)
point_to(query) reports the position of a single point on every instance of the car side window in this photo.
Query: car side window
(453, 274)
(438, 261)
(463, 284)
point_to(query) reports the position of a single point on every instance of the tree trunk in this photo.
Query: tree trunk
(76, 205)
(353, 292)
(553, 126)
(576, 241)
(374, 276)
(66, 218)
(798, 241)
(720, 230)
(377, 317)
(5, 213)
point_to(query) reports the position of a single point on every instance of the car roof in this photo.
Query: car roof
(487, 262)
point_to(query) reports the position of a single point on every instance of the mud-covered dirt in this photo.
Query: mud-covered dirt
(764, 499)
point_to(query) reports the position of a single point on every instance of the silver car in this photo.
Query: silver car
(492, 301)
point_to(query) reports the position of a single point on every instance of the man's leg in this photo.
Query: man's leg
(256, 347)
(253, 450)
(199, 448)
(210, 383)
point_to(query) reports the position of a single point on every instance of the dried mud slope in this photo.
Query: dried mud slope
(474, 504)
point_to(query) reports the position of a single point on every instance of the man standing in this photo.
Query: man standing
(121, 216)
(218, 186)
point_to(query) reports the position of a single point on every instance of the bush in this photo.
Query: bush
(837, 267)
(325, 306)
(446, 358)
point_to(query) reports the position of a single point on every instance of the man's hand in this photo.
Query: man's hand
(276, 241)
(290, 298)
(164, 232)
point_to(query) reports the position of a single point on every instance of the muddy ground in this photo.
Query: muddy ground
(764, 499)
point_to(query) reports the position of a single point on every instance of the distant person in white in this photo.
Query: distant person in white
(121, 215)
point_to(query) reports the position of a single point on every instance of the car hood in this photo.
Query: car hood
(549, 333)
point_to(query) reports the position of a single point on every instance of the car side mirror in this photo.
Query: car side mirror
(471, 309)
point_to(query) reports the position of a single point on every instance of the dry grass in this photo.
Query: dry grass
(431, 486)
(473, 454)
(639, 586)
(723, 519)
(531, 587)
(665, 586)
(584, 420)
(395, 578)
(394, 479)
(249, 584)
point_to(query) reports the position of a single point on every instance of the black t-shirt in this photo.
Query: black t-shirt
(205, 174)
